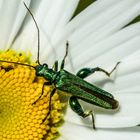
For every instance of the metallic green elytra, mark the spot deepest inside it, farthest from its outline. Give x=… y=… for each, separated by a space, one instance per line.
x=75 y=85
x=80 y=88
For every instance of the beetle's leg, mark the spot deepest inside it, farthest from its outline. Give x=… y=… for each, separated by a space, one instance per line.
x=46 y=83
x=55 y=66
x=85 y=72
x=52 y=93
x=63 y=61
x=77 y=108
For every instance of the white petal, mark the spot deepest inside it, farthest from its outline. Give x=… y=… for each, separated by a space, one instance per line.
x=75 y=132
x=27 y=40
x=62 y=11
x=12 y=14
x=117 y=47
x=107 y=22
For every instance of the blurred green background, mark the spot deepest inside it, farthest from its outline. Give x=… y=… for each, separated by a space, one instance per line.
x=82 y=5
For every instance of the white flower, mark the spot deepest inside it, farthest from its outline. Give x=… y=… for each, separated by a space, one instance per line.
x=97 y=37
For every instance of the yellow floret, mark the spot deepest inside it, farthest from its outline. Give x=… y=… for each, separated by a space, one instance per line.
x=21 y=113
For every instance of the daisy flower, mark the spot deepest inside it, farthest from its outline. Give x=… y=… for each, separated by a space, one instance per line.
x=98 y=36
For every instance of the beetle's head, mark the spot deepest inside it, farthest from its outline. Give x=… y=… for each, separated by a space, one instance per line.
x=44 y=71
x=40 y=69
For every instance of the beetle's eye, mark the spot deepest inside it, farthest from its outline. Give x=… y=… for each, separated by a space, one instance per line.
x=38 y=67
x=45 y=65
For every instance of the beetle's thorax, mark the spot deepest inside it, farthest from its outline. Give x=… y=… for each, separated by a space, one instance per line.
x=50 y=75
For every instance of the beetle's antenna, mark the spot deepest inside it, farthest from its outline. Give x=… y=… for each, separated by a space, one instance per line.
x=37 y=32
x=17 y=63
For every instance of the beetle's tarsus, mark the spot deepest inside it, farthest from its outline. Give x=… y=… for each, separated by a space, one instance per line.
x=88 y=114
x=114 y=68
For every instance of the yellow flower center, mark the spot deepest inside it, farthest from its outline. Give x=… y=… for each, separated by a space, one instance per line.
x=21 y=113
